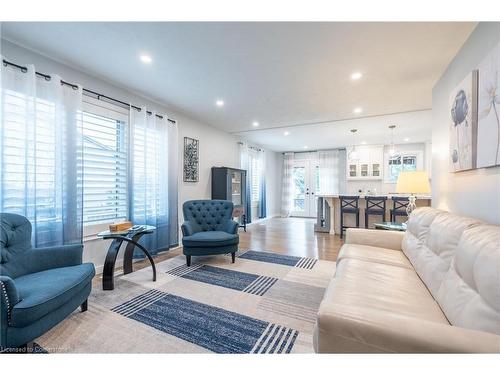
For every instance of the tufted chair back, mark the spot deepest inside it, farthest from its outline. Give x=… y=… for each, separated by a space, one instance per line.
x=15 y=240
x=207 y=215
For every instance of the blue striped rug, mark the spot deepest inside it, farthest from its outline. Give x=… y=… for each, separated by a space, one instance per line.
x=263 y=303
x=287 y=260
x=213 y=328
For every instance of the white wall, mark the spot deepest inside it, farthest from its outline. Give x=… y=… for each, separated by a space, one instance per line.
x=473 y=193
x=217 y=148
x=274 y=168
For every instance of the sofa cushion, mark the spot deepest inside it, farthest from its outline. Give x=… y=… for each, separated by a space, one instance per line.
x=42 y=292
x=470 y=291
x=384 y=288
x=430 y=242
x=210 y=239
x=374 y=254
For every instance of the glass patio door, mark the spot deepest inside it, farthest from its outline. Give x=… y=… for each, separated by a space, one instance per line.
x=305 y=185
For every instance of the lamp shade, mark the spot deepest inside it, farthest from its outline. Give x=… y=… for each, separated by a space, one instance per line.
x=413 y=182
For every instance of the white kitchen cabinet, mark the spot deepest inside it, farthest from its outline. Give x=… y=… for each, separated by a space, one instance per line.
x=369 y=163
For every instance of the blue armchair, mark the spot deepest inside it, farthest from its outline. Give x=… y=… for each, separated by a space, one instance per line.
x=39 y=286
x=209 y=229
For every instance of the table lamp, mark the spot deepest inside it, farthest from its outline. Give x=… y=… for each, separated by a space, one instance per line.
x=414 y=182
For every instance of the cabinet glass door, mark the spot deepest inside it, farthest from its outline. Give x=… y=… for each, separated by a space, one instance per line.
x=353 y=170
x=236 y=187
x=364 y=170
x=376 y=170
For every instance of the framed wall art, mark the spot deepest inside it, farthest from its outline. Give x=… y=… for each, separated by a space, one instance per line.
x=463 y=124
x=191 y=159
x=488 y=129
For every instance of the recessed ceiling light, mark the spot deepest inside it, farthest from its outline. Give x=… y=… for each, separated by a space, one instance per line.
x=407 y=139
x=286 y=133
x=255 y=124
x=363 y=143
x=356 y=75
x=146 y=59
x=306 y=147
x=219 y=103
x=358 y=110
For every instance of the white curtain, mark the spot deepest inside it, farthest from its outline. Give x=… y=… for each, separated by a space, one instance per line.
x=329 y=172
x=245 y=164
x=41 y=154
x=262 y=185
x=287 y=184
x=153 y=178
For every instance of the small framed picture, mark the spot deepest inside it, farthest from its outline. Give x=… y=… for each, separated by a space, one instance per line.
x=191 y=159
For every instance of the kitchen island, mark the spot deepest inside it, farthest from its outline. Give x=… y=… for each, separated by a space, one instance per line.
x=328 y=212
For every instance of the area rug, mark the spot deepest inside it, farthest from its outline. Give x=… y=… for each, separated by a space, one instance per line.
x=263 y=303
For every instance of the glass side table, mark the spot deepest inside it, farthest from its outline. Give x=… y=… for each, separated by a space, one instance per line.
x=132 y=237
x=387 y=225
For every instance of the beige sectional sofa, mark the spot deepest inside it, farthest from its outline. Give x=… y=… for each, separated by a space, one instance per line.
x=433 y=289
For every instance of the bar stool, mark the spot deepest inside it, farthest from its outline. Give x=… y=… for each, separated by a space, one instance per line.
x=399 y=207
x=349 y=204
x=375 y=206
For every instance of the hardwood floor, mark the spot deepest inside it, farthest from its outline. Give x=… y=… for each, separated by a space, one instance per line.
x=292 y=236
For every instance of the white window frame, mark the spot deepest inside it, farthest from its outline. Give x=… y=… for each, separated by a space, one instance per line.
x=420 y=163
x=105 y=109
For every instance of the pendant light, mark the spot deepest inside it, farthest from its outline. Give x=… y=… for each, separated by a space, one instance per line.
x=353 y=154
x=393 y=153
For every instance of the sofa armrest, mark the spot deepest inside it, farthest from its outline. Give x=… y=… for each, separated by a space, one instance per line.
x=388 y=239
x=231 y=226
x=339 y=330
x=187 y=229
x=44 y=258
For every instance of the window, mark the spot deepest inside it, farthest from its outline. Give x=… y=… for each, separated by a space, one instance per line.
x=255 y=177
x=402 y=163
x=105 y=164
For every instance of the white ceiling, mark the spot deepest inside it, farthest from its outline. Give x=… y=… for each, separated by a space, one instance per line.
x=279 y=74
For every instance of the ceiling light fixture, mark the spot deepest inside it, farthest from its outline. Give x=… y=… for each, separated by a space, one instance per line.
x=286 y=133
x=356 y=75
x=393 y=153
x=358 y=110
x=407 y=139
x=255 y=124
x=306 y=147
x=353 y=154
x=219 y=103
x=146 y=59
x=363 y=142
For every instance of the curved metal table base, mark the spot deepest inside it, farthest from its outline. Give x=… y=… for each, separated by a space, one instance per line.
x=109 y=264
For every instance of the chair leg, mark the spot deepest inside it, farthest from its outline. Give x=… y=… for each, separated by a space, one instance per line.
x=84 y=306
x=341 y=225
x=188 y=260
x=366 y=220
x=233 y=257
x=357 y=220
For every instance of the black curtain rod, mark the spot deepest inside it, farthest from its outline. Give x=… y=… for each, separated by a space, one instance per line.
x=86 y=91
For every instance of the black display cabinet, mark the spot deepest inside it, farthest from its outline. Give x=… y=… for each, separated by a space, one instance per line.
x=230 y=184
